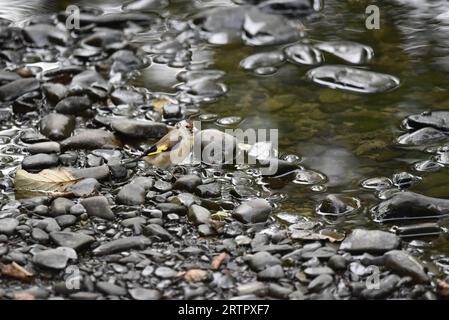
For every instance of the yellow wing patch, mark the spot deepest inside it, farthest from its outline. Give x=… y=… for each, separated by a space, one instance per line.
x=161 y=148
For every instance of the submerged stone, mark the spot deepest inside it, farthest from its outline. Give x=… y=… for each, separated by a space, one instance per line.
x=348 y=51
x=304 y=54
x=352 y=79
x=260 y=29
x=410 y=205
x=435 y=119
x=422 y=136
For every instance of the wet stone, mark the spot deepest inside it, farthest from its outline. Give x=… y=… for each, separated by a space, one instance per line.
x=44 y=147
x=198 y=215
x=410 y=205
x=402 y=262
x=386 y=286
x=66 y=220
x=165 y=272
x=337 y=262
x=253 y=211
x=290 y=8
x=45 y=34
x=127 y=97
x=110 y=288
x=54 y=258
x=157 y=231
x=84 y=187
x=204 y=230
x=91 y=139
x=262 y=260
x=74 y=240
x=40 y=161
x=260 y=29
x=73 y=105
x=262 y=59
x=348 y=51
x=97 y=173
x=57 y=126
x=8 y=225
x=336 y=205
x=374 y=241
x=433 y=119
x=54 y=91
x=139 y=128
x=15 y=89
x=39 y=235
x=352 y=79
x=145 y=294
x=319 y=283
x=187 y=183
x=131 y=194
x=271 y=273
x=123 y=244
x=167 y=208
x=422 y=136
x=316 y=271
x=303 y=54
x=98 y=207
x=60 y=206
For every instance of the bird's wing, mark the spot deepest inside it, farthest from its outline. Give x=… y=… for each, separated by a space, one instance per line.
x=165 y=144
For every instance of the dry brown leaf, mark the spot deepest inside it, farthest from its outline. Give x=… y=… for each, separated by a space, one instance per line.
x=443 y=287
x=218 y=260
x=23 y=296
x=195 y=275
x=16 y=271
x=48 y=180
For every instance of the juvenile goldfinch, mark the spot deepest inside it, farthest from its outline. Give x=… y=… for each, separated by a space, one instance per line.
x=172 y=148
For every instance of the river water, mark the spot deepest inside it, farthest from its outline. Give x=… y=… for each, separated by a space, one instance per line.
x=349 y=137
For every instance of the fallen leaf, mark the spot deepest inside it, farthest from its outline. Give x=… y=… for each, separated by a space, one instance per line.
x=442 y=287
x=23 y=296
x=195 y=275
x=46 y=181
x=218 y=260
x=16 y=271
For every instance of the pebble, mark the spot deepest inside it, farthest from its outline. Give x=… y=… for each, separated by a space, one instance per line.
x=54 y=258
x=145 y=294
x=74 y=240
x=123 y=244
x=60 y=206
x=66 y=220
x=319 y=283
x=39 y=235
x=57 y=126
x=198 y=215
x=131 y=194
x=8 y=225
x=157 y=231
x=262 y=260
x=253 y=211
x=83 y=188
x=73 y=105
x=271 y=273
x=373 y=241
x=44 y=147
x=110 y=288
x=98 y=207
x=405 y=264
x=40 y=161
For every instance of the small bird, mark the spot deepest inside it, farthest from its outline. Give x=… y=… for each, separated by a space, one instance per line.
x=173 y=148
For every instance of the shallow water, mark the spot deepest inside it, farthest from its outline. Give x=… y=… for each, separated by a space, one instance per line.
x=346 y=136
